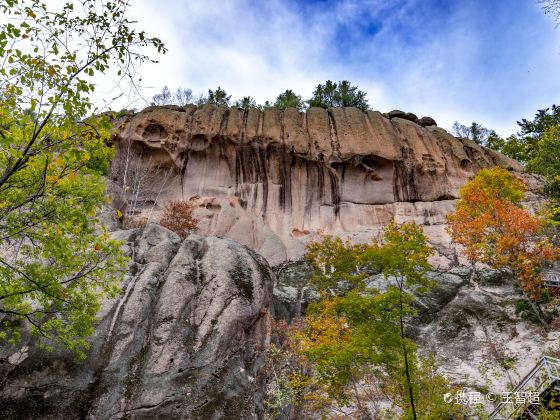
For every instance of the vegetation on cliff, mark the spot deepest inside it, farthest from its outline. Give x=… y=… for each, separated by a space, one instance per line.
x=537 y=145
x=328 y=95
x=56 y=261
x=351 y=353
x=496 y=230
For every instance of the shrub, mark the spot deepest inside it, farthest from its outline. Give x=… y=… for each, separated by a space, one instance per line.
x=132 y=222
x=177 y=216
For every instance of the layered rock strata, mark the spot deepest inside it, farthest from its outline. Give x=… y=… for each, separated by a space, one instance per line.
x=271 y=179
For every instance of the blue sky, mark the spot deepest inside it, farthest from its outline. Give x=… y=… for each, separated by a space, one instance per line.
x=490 y=61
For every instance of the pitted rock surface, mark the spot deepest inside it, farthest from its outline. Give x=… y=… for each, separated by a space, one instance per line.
x=271 y=179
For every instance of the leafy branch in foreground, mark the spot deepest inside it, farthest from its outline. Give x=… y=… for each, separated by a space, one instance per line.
x=56 y=261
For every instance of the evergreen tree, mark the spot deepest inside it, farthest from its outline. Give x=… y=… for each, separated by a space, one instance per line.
x=246 y=103
x=339 y=94
x=289 y=99
x=218 y=97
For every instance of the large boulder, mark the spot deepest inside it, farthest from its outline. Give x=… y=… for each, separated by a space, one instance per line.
x=426 y=122
x=184 y=340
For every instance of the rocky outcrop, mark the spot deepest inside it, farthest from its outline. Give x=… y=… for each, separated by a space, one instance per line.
x=479 y=332
x=477 y=325
x=184 y=340
x=271 y=179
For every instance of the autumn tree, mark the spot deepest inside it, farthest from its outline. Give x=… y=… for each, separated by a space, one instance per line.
x=496 y=230
x=57 y=263
x=177 y=216
x=355 y=338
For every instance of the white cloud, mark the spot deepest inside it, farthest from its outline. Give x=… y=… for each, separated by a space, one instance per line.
x=477 y=61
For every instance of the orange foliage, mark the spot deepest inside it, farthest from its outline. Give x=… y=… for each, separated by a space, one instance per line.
x=178 y=217
x=496 y=230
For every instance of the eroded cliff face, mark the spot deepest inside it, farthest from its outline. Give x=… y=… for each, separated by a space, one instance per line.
x=272 y=179
x=184 y=340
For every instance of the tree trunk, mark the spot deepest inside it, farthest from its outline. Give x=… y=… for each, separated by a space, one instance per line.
x=406 y=366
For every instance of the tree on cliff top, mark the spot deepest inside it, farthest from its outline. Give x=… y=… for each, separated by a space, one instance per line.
x=218 y=97
x=181 y=96
x=56 y=261
x=247 y=102
x=339 y=94
x=475 y=132
x=289 y=99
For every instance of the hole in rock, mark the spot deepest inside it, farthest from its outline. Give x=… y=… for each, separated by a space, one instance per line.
x=371 y=161
x=154 y=132
x=199 y=142
x=445 y=197
x=380 y=168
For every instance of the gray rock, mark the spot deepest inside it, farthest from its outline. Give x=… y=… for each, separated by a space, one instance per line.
x=491 y=277
x=157 y=244
x=126 y=235
x=447 y=285
x=396 y=113
x=292 y=292
x=461 y=271
x=108 y=218
x=116 y=196
x=426 y=122
x=184 y=341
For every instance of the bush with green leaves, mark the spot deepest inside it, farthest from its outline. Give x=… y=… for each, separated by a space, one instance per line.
x=354 y=343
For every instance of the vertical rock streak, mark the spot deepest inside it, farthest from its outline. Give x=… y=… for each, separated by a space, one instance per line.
x=302 y=172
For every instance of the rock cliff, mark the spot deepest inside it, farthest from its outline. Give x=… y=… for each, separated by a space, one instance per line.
x=185 y=337
x=271 y=179
x=184 y=340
